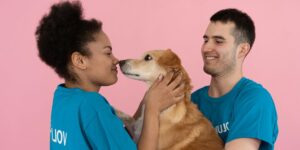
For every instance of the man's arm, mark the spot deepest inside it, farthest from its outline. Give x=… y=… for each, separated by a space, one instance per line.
x=243 y=144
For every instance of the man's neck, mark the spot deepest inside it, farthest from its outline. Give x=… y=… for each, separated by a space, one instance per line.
x=220 y=85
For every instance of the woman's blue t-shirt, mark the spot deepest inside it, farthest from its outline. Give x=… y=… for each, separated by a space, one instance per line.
x=85 y=120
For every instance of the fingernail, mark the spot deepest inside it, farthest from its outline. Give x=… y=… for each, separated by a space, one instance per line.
x=160 y=76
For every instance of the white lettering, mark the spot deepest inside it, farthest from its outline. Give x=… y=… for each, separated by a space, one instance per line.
x=59 y=136
x=222 y=128
x=65 y=136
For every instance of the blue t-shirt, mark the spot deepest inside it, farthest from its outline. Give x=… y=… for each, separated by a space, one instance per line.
x=84 y=120
x=247 y=111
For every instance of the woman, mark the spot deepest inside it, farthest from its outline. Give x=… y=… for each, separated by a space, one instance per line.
x=81 y=53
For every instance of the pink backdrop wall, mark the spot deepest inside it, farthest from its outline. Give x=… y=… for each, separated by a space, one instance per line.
x=133 y=27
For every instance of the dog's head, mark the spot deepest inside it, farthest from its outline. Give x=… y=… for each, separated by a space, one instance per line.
x=153 y=63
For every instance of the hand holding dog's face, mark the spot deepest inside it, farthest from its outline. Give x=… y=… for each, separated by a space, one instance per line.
x=163 y=93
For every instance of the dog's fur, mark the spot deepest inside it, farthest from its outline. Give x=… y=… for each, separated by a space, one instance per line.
x=182 y=126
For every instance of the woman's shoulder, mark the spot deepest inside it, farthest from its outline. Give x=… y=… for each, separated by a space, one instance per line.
x=94 y=101
x=94 y=106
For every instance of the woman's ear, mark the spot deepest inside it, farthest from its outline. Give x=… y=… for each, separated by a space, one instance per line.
x=78 y=60
x=244 y=49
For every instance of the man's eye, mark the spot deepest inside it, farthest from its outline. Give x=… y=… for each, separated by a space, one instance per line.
x=147 y=57
x=219 y=42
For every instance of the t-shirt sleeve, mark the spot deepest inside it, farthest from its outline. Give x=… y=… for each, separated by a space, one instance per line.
x=105 y=131
x=254 y=116
x=196 y=95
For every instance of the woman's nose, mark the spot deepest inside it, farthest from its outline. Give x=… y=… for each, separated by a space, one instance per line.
x=115 y=60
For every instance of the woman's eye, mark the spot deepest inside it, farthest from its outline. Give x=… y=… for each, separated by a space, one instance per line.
x=147 y=58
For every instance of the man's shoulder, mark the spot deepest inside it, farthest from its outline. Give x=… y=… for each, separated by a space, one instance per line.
x=251 y=84
x=250 y=88
x=201 y=90
x=253 y=94
x=199 y=93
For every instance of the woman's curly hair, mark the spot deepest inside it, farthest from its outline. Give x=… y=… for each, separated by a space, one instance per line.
x=62 y=32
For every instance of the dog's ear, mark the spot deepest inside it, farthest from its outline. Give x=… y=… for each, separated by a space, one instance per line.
x=169 y=59
x=171 y=62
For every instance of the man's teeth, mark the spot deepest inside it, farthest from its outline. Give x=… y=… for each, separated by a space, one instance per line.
x=210 y=57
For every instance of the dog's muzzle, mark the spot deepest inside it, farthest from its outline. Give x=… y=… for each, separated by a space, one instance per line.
x=125 y=67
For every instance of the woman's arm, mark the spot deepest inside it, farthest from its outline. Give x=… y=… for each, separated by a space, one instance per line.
x=161 y=95
x=149 y=136
x=138 y=112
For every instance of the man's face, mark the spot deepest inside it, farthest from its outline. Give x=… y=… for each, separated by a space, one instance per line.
x=219 y=49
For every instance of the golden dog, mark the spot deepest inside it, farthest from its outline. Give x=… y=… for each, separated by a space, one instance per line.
x=182 y=126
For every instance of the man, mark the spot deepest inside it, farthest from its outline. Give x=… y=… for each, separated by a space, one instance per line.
x=241 y=110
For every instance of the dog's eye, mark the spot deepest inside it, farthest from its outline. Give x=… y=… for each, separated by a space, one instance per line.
x=147 y=57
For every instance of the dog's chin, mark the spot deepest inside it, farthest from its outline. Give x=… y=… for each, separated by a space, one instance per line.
x=133 y=76
x=138 y=77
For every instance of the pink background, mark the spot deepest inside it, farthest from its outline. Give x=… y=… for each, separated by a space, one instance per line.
x=135 y=26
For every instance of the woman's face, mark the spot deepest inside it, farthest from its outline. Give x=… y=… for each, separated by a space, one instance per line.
x=101 y=63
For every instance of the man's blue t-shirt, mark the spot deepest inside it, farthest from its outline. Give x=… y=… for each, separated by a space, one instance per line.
x=247 y=111
x=84 y=120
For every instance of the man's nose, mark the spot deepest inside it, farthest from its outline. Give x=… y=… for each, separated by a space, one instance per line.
x=207 y=47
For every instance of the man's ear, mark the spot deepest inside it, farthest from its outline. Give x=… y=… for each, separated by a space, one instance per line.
x=78 y=60
x=244 y=49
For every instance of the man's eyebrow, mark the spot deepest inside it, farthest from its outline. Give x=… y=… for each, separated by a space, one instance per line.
x=218 y=37
x=214 y=37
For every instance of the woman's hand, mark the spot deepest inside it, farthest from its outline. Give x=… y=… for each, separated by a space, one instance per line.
x=163 y=93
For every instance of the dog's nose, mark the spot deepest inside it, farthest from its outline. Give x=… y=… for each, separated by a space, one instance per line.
x=122 y=62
